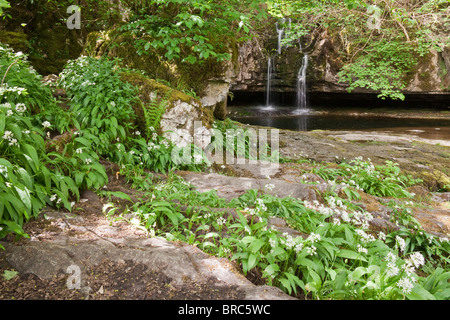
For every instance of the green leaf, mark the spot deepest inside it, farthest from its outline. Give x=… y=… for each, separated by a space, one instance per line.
x=272 y=269
x=256 y=245
x=120 y=195
x=301 y=261
x=349 y=254
x=419 y=293
x=253 y=260
x=9 y=274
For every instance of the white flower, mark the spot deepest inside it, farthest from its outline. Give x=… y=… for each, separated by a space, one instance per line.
x=405 y=284
x=88 y=161
x=270 y=186
x=221 y=221
x=311 y=250
x=7 y=135
x=53 y=197
x=392 y=269
x=401 y=243
x=314 y=237
x=79 y=151
x=417 y=259
x=408 y=267
x=13 y=142
x=361 y=249
x=46 y=124
x=298 y=247
x=272 y=243
x=21 y=108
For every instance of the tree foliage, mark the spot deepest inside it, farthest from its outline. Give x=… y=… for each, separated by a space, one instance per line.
x=376 y=37
x=191 y=31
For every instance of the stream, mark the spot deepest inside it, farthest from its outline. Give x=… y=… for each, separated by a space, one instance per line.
x=430 y=124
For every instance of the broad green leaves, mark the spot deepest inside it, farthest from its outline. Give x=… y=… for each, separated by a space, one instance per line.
x=193 y=32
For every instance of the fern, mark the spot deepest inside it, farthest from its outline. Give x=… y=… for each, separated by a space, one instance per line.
x=154 y=111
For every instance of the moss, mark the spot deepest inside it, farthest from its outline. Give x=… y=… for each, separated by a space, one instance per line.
x=436 y=180
x=149 y=90
x=16 y=40
x=52 y=48
x=90 y=48
x=180 y=75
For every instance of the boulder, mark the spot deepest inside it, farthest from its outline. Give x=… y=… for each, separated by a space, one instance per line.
x=165 y=108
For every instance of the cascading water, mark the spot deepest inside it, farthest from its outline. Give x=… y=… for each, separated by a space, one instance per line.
x=269 y=82
x=301 y=85
x=280 y=32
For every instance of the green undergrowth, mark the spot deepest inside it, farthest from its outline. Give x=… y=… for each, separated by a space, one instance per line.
x=98 y=125
x=332 y=254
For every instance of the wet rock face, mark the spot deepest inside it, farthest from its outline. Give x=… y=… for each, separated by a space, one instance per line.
x=430 y=76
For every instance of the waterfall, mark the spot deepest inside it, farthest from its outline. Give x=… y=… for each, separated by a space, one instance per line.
x=301 y=85
x=269 y=82
x=280 y=32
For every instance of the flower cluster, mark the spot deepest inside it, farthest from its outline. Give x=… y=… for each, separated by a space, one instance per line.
x=9 y=136
x=259 y=209
x=291 y=243
x=6 y=88
x=406 y=282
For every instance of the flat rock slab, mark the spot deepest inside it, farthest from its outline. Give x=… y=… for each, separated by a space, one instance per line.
x=181 y=263
x=233 y=187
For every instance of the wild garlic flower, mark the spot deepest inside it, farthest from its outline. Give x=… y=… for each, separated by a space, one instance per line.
x=365 y=237
x=361 y=249
x=272 y=242
x=311 y=250
x=417 y=259
x=46 y=124
x=392 y=269
x=8 y=135
x=400 y=242
x=21 y=108
x=406 y=285
x=221 y=221
x=314 y=237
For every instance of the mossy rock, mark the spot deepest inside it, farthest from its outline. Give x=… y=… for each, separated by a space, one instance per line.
x=436 y=180
x=16 y=40
x=156 y=99
x=183 y=76
x=53 y=48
